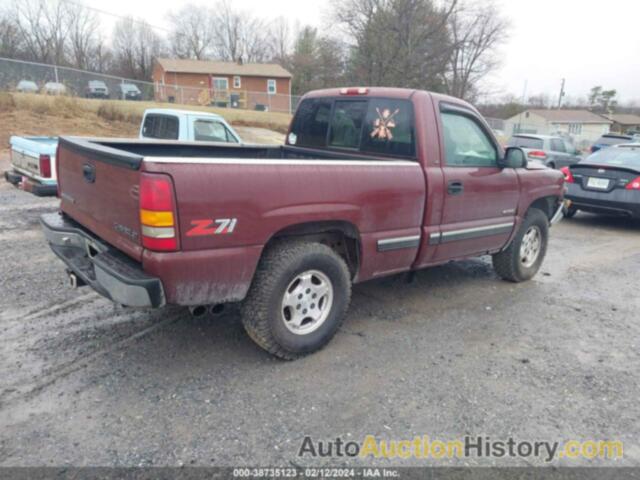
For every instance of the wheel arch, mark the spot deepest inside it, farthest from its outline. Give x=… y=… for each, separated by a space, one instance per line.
x=548 y=205
x=341 y=236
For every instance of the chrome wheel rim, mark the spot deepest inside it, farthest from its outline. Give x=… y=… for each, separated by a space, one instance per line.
x=530 y=246
x=307 y=302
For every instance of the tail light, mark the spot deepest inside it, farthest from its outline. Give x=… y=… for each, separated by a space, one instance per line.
x=633 y=184
x=45 y=166
x=537 y=155
x=568 y=176
x=354 y=91
x=158 y=213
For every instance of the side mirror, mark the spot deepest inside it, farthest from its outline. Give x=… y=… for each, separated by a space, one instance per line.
x=514 y=157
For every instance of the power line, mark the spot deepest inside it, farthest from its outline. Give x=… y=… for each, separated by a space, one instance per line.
x=121 y=17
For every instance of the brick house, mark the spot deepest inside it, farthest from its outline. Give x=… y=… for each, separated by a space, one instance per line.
x=259 y=86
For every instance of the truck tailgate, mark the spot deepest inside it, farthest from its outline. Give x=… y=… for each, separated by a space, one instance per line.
x=99 y=189
x=26 y=152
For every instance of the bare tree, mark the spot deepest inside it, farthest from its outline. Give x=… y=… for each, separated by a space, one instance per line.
x=193 y=32
x=83 y=37
x=476 y=33
x=255 y=40
x=240 y=35
x=101 y=56
x=43 y=29
x=229 y=32
x=11 y=44
x=280 y=40
x=541 y=100
x=135 y=46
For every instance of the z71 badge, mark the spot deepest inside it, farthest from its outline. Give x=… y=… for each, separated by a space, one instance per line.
x=219 y=226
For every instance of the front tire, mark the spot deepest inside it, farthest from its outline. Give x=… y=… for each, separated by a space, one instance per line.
x=522 y=259
x=298 y=299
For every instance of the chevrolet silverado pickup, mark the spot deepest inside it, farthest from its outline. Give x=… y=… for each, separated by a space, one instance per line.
x=370 y=182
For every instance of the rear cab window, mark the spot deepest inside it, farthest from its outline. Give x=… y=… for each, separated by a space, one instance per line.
x=166 y=127
x=526 y=142
x=378 y=126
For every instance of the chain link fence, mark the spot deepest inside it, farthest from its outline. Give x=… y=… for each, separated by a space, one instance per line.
x=31 y=77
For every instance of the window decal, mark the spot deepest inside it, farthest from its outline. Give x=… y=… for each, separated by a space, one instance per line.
x=384 y=124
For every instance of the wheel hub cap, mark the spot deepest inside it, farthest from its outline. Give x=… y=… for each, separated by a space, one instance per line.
x=307 y=302
x=530 y=246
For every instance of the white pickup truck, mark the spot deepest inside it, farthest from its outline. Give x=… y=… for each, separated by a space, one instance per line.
x=33 y=159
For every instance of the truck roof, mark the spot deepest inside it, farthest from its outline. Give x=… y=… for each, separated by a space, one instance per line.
x=389 y=92
x=175 y=111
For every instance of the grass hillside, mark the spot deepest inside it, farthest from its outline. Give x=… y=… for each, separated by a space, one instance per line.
x=33 y=114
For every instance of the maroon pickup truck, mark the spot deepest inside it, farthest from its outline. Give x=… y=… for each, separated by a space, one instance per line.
x=371 y=182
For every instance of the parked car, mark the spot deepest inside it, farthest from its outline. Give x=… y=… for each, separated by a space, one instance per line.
x=129 y=91
x=371 y=182
x=27 y=86
x=609 y=140
x=54 y=88
x=606 y=182
x=96 y=89
x=186 y=125
x=33 y=159
x=33 y=162
x=553 y=151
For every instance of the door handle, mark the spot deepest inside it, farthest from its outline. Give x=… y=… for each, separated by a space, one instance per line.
x=455 y=187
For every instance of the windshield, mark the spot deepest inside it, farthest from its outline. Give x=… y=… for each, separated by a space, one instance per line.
x=128 y=87
x=619 y=156
x=612 y=140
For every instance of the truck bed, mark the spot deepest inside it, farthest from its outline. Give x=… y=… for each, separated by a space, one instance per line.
x=264 y=190
x=131 y=153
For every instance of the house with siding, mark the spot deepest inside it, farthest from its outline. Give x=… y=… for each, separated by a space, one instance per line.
x=583 y=126
x=624 y=122
x=255 y=86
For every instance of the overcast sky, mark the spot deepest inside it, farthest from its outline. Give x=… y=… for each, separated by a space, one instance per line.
x=588 y=42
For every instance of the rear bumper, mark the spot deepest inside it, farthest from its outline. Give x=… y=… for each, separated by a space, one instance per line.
x=106 y=270
x=29 y=185
x=616 y=202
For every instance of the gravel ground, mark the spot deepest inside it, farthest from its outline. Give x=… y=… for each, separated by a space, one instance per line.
x=457 y=352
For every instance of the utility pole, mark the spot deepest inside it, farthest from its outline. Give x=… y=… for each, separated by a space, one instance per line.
x=524 y=98
x=561 y=94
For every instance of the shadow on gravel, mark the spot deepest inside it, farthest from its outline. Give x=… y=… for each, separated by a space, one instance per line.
x=603 y=221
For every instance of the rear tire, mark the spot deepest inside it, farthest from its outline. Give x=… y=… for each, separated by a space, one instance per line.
x=298 y=299
x=521 y=260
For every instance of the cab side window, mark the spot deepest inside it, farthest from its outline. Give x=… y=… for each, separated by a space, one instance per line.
x=465 y=143
x=311 y=123
x=210 y=131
